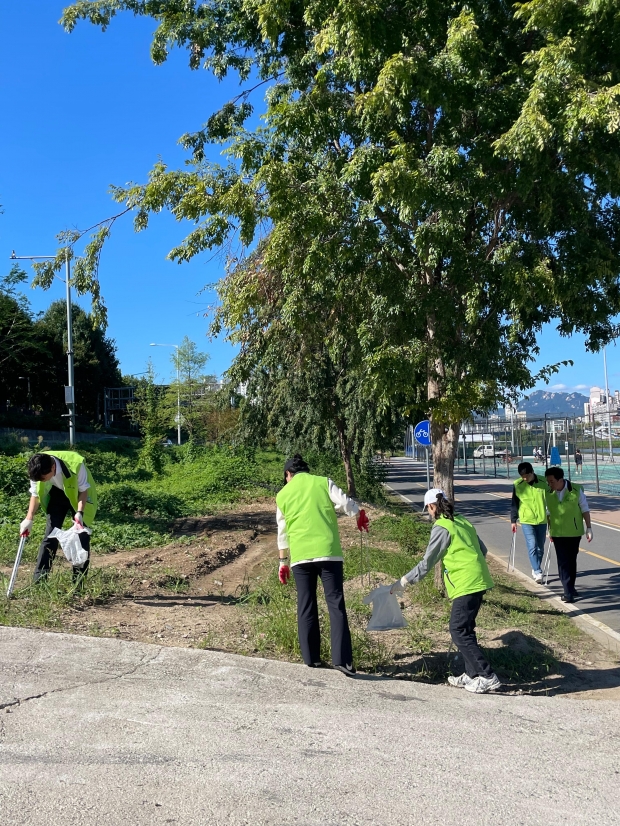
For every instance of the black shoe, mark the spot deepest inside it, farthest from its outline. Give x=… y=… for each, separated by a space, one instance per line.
x=316 y=665
x=349 y=670
x=567 y=598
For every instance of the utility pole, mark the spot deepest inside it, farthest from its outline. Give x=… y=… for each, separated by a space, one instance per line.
x=611 y=450
x=70 y=388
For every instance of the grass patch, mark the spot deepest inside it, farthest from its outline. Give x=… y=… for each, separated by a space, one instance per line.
x=43 y=604
x=524 y=638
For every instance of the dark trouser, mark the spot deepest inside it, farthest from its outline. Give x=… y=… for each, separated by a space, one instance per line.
x=566 y=550
x=306 y=577
x=57 y=509
x=463 y=632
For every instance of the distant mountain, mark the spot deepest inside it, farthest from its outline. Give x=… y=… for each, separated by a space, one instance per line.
x=553 y=404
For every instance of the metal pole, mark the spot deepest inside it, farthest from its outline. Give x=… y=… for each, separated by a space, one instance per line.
x=598 y=487
x=71 y=403
x=545 y=441
x=428 y=471
x=611 y=450
x=567 y=446
x=178 y=398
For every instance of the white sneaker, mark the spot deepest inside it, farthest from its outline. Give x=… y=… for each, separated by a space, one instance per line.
x=538 y=577
x=461 y=681
x=481 y=685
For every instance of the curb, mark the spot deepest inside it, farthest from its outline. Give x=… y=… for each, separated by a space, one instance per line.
x=602 y=633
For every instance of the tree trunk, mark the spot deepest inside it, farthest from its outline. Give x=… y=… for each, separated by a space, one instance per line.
x=444 y=441
x=445 y=444
x=345 y=452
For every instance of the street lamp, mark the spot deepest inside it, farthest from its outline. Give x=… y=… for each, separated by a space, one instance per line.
x=70 y=388
x=611 y=450
x=178 y=389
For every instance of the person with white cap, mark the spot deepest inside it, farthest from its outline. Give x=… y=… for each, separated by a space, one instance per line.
x=455 y=543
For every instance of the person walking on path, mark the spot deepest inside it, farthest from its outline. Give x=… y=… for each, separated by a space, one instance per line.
x=455 y=543
x=308 y=528
x=60 y=484
x=528 y=506
x=578 y=462
x=567 y=509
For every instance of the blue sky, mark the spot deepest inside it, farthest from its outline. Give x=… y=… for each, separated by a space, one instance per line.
x=87 y=110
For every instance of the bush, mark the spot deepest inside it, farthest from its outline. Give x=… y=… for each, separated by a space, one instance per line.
x=128 y=500
x=13 y=475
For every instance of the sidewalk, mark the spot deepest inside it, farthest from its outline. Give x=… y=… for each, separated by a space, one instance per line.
x=106 y=732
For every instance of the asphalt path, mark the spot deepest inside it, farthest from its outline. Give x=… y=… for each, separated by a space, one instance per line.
x=104 y=732
x=486 y=503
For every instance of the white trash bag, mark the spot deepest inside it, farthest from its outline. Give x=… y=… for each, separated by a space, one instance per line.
x=386 y=613
x=71 y=545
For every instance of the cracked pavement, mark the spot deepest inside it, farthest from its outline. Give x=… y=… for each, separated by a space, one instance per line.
x=111 y=732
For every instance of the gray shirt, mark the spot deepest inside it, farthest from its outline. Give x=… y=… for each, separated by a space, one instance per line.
x=436 y=549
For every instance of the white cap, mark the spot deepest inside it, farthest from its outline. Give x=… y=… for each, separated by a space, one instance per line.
x=430 y=497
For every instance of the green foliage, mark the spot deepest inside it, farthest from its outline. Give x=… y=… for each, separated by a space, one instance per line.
x=439 y=180
x=13 y=475
x=136 y=507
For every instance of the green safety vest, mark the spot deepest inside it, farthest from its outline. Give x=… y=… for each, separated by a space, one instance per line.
x=465 y=568
x=72 y=461
x=311 y=524
x=531 y=498
x=565 y=517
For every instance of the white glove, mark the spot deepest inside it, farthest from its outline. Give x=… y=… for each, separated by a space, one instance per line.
x=25 y=527
x=589 y=534
x=399 y=586
x=79 y=518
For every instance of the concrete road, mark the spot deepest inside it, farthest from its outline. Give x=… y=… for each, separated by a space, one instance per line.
x=486 y=503
x=104 y=732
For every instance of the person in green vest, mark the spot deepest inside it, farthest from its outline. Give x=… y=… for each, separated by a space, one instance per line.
x=455 y=543
x=308 y=530
x=60 y=483
x=567 y=509
x=528 y=506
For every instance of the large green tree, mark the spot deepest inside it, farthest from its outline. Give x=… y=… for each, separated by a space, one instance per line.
x=20 y=350
x=455 y=163
x=95 y=362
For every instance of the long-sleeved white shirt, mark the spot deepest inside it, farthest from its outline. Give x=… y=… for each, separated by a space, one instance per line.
x=342 y=503
x=583 y=502
x=58 y=479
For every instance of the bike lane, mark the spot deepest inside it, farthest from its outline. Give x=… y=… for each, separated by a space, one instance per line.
x=485 y=501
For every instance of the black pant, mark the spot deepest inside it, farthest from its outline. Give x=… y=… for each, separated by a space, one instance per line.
x=463 y=632
x=306 y=578
x=57 y=509
x=566 y=550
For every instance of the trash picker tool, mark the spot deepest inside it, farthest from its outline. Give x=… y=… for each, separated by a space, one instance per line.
x=547 y=561
x=22 y=544
x=511 y=554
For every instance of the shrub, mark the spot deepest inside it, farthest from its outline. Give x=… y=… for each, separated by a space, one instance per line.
x=13 y=475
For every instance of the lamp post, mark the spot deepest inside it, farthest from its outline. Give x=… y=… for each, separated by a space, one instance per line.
x=611 y=451
x=70 y=388
x=178 y=389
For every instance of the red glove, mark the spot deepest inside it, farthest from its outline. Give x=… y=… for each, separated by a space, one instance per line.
x=284 y=573
x=362 y=521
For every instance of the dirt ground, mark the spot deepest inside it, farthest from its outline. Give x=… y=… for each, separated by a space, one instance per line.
x=186 y=594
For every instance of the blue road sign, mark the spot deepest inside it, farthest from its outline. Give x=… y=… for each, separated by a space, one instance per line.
x=422 y=433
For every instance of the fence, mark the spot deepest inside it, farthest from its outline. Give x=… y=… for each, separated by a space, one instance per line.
x=494 y=447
